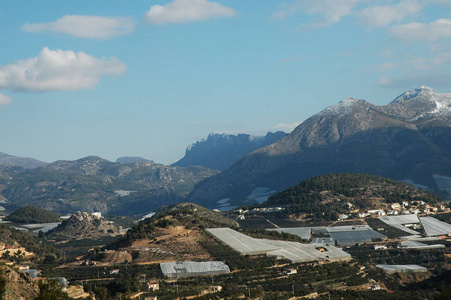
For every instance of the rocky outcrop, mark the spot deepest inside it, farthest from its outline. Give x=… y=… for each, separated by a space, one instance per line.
x=83 y=225
x=220 y=151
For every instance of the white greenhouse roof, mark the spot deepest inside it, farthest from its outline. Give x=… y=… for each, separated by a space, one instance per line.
x=403 y=219
x=240 y=242
x=433 y=227
x=303 y=232
x=401 y=268
x=294 y=251
x=190 y=268
x=323 y=240
x=356 y=237
x=418 y=245
x=399 y=221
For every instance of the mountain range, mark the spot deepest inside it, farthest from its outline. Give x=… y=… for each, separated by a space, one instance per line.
x=220 y=151
x=408 y=139
x=23 y=162
x=96 y=184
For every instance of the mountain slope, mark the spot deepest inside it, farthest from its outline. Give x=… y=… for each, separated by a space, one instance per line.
x=318 y=196
x=24 y=162
x=407 y=139
x=95 y=184
x=220 y=151
x=131 y=160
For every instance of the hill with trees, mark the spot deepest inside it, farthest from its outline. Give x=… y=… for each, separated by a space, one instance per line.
x=33 y=214
x=326 y=196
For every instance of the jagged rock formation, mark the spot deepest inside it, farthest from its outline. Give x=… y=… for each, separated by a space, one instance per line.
x=83 y=225
x=220 y=151
x=409 y=138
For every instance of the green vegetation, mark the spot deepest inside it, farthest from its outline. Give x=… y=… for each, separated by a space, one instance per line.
x=366 y=255
x=190 y=215
x=45 y=253
x=324 y=197
x=3 y=284
x=51 y=290
x=33 y=214
x=91 y=183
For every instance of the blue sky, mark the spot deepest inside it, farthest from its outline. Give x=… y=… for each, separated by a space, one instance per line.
x=147 y=78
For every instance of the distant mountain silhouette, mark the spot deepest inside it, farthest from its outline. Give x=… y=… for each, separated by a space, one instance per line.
x=220 y=151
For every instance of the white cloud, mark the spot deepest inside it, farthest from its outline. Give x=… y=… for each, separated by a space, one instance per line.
x=416 y=70
x=58 y=70
x=410 y=32
x=284 y=127
x=91 y=27
x=327 y=11
x=4 y=99
x=184 y=11
x=384 y=15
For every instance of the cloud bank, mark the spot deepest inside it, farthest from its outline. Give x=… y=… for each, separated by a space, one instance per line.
x=185 y=11
x=327 y=11
x=384 y=15
x=440 y=29
x=57 y=70
x=91 y=27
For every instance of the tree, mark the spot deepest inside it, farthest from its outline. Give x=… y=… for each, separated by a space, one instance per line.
x=101 y=293
x=2 y=285
x=51 y=290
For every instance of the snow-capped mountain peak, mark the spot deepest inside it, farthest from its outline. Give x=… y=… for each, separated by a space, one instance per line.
x=344 y=107
x=411 y=94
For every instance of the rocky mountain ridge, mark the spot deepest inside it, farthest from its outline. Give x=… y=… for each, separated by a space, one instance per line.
x=406 y=139
x=220 y=151
x=96 y=184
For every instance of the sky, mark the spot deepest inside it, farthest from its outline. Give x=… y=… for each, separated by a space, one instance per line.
x=148 y=78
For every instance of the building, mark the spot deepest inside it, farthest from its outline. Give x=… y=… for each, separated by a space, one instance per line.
x=153 y=286
x=395 y=206
x=380 y=247
x=291 y=272
x=190 y=268
x=391 y=269
x=97 y=215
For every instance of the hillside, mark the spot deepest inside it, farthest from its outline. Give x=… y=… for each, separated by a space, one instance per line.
x=174 y=233
x=407 y=139
x=11 y=239
x=23 y=162
x=220 y=151
x=188 y=215
x=95 y=184
x=33 y=214
x=15 y=286
x=326 y=196
x=83 y=226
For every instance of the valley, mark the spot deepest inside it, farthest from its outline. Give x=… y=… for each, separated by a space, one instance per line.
x=351 y=204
